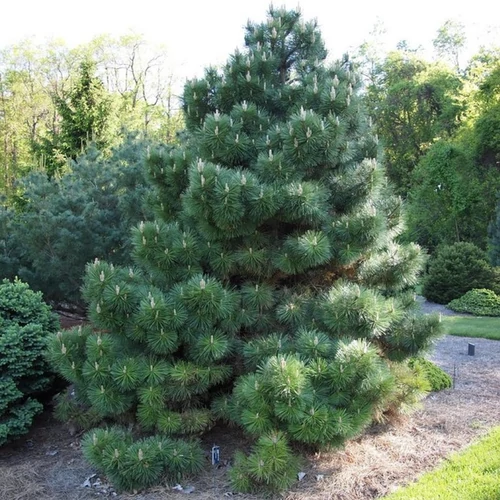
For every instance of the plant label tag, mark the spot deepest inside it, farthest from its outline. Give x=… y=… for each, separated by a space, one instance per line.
x=215 y=455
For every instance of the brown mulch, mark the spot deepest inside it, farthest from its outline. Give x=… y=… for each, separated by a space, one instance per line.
x=68 y=320
x=378 y=462
x=47 y=463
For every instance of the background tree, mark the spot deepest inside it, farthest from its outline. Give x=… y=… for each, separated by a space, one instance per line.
x=453 y=188
x=26 y=107
x=487 y=124
x=449 y=42
x=141 y=75
x=494 y=237
x=69 y=220
x=414 y=103
x=86 y=115
x=271 y=290
x=451 y=195
x=39 y=82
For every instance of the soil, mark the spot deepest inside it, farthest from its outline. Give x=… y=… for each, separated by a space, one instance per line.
x=47 y=463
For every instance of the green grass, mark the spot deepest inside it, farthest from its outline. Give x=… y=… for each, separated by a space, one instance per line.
x=473 y=474
x=472 y=326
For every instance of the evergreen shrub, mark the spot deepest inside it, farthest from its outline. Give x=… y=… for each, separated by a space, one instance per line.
x=135 y=464
x=69 y=220
x=479 y=302
x=456 y=269
x=25 y=323
x=437 y=377
x=272 y=290
x=411 y=386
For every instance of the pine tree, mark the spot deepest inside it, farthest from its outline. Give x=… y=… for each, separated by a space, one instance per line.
x=271 y=291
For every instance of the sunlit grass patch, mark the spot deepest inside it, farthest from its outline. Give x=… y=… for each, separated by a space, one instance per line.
x=473 y=474
x=472 y=326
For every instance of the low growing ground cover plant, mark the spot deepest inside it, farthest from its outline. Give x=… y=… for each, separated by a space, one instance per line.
x=25 y=323
x=437 y=378
x=479 y=302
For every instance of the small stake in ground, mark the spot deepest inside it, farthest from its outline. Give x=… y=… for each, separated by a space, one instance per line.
x=215 y=460
x=215 y=454
x=472 y=350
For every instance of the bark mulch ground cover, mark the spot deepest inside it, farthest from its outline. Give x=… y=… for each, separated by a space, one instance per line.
x=47 y=463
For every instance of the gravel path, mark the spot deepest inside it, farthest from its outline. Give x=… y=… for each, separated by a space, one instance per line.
x=431 y=307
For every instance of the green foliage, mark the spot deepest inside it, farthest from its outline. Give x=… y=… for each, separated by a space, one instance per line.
x=480 y=302
x=449 y=41
x=20 y=305
x=410 y=387
x=136 y=464
x=68 y=221
x=438 y=378
x=24 y=107
x=86 y=112
x=54 y=102
x=9 y=250
x=494 y=236
x=271 y=289
x=456 y=269
x=285 y=392
x=25 y=323
x=451 y=198
x=487 y=128
x=487 y=125
x=471 y=474
x=413 y=103
x=270 y=467
x=74 y=413
x=439 y=129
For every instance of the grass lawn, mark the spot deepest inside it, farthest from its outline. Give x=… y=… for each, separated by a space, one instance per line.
x=473 y=474
x=472 y=326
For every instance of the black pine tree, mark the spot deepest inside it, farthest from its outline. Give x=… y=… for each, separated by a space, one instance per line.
x=271 y=291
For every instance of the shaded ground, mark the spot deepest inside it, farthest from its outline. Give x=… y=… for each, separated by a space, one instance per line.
x=47 y=464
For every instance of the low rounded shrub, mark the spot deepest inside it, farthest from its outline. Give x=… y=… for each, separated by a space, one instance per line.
x=437 y=378
x=25 y=322
x=456 y=269
x=479 y=302
x=136 y=464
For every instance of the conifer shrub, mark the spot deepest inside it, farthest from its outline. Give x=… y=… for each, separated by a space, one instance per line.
x=68 y=220
x=271 y=291
x=25 y=323
x=271 y=463
x=456 y=269
x=437 y=377
x=479 y=302
x=410 y=388
x=133 y=464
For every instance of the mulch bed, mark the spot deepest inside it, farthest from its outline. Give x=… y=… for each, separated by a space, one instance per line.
x=47 y=463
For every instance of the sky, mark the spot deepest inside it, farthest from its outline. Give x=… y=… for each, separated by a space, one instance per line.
x=199 y=33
